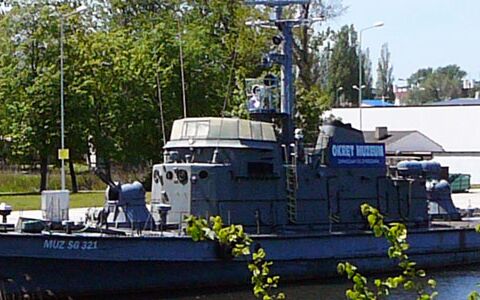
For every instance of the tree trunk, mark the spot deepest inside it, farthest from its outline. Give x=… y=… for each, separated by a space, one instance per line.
x=73 y=176
x=43 y=173
x=108 y=169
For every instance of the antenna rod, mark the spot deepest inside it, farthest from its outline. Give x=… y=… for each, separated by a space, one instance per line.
x=184 y=98
x=160 y=103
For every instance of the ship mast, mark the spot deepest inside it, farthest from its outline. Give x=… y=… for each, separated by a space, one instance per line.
x=285 y=59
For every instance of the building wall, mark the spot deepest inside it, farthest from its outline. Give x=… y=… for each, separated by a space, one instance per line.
x=461 y=164
x=455 y=128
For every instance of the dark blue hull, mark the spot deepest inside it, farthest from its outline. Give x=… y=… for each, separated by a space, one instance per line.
x=126 y=264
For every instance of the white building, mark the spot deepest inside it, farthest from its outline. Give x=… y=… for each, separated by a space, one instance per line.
x=455 y=127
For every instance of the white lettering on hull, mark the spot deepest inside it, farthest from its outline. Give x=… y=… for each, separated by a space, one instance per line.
x=69 y=245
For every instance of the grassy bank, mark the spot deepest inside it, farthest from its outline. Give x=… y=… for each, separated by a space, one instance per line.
x=31 y=202
x=22 y=182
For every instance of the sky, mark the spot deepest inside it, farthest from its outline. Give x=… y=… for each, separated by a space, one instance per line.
x=419 y=33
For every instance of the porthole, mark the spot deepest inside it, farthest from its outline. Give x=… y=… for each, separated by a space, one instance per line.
x=182 y=176
x=169 y=175
x=203 y=174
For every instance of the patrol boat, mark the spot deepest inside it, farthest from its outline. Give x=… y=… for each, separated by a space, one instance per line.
x=301 y=205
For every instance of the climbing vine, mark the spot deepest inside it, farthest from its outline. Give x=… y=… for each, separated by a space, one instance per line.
x=411 y=278
x=235 y=243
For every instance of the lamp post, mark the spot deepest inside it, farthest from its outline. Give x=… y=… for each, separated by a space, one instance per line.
x=62 y=152
x=360 y=71
x=359 y=89
x=355 y=87
x=336 y=95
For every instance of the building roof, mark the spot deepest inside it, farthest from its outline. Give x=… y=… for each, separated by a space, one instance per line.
x=457 y=101
x=404 y=141
x=375 y=102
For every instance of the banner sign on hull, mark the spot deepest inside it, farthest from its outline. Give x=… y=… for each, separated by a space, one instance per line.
x=357 y=155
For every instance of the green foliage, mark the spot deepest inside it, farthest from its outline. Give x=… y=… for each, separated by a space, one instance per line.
x=430 y=85
x=111 y=72
x=311 y=107
x=119 y=55
x=367 y=74
x=198 y=229
x=343 y=66
x=474 y=296
x=234 y=239
x=385 y=75
x=22 y=182
x=411 y=278
x=29 y=80
x=263 y=285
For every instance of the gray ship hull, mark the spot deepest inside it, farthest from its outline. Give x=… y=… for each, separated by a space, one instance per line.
x=74 y=265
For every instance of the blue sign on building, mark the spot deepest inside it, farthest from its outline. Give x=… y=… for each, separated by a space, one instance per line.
x=357 y=155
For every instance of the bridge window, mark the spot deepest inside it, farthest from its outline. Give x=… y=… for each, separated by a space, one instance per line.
x=196 y=129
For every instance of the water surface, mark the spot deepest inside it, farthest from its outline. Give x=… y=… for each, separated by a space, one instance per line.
x=452 y=284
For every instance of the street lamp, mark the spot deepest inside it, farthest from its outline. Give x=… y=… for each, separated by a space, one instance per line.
x=355 y=87
x=63 y=153
x=378 y=24
x=336 y=95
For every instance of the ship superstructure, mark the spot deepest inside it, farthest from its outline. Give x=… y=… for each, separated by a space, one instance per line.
x=239 y=170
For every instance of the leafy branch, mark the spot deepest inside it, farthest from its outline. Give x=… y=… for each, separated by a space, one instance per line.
x=411 y=278
x=263 y=285
x=475 y=295
x=235 y=243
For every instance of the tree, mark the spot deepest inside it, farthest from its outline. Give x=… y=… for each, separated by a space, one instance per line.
x=311 y=55
x=30 y=88
x=29 y=82
x=308 y=45
x=114 y=74
x=384 y=75
x=430 y=85
x=343 y=67
x=367 y=74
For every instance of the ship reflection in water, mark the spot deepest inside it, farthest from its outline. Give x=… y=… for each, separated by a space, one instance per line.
x=456 y=283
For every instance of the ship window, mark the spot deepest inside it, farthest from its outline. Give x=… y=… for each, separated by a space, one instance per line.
x=202 y=129
x=190 y=129
x=259 y=169
x=197 y=129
